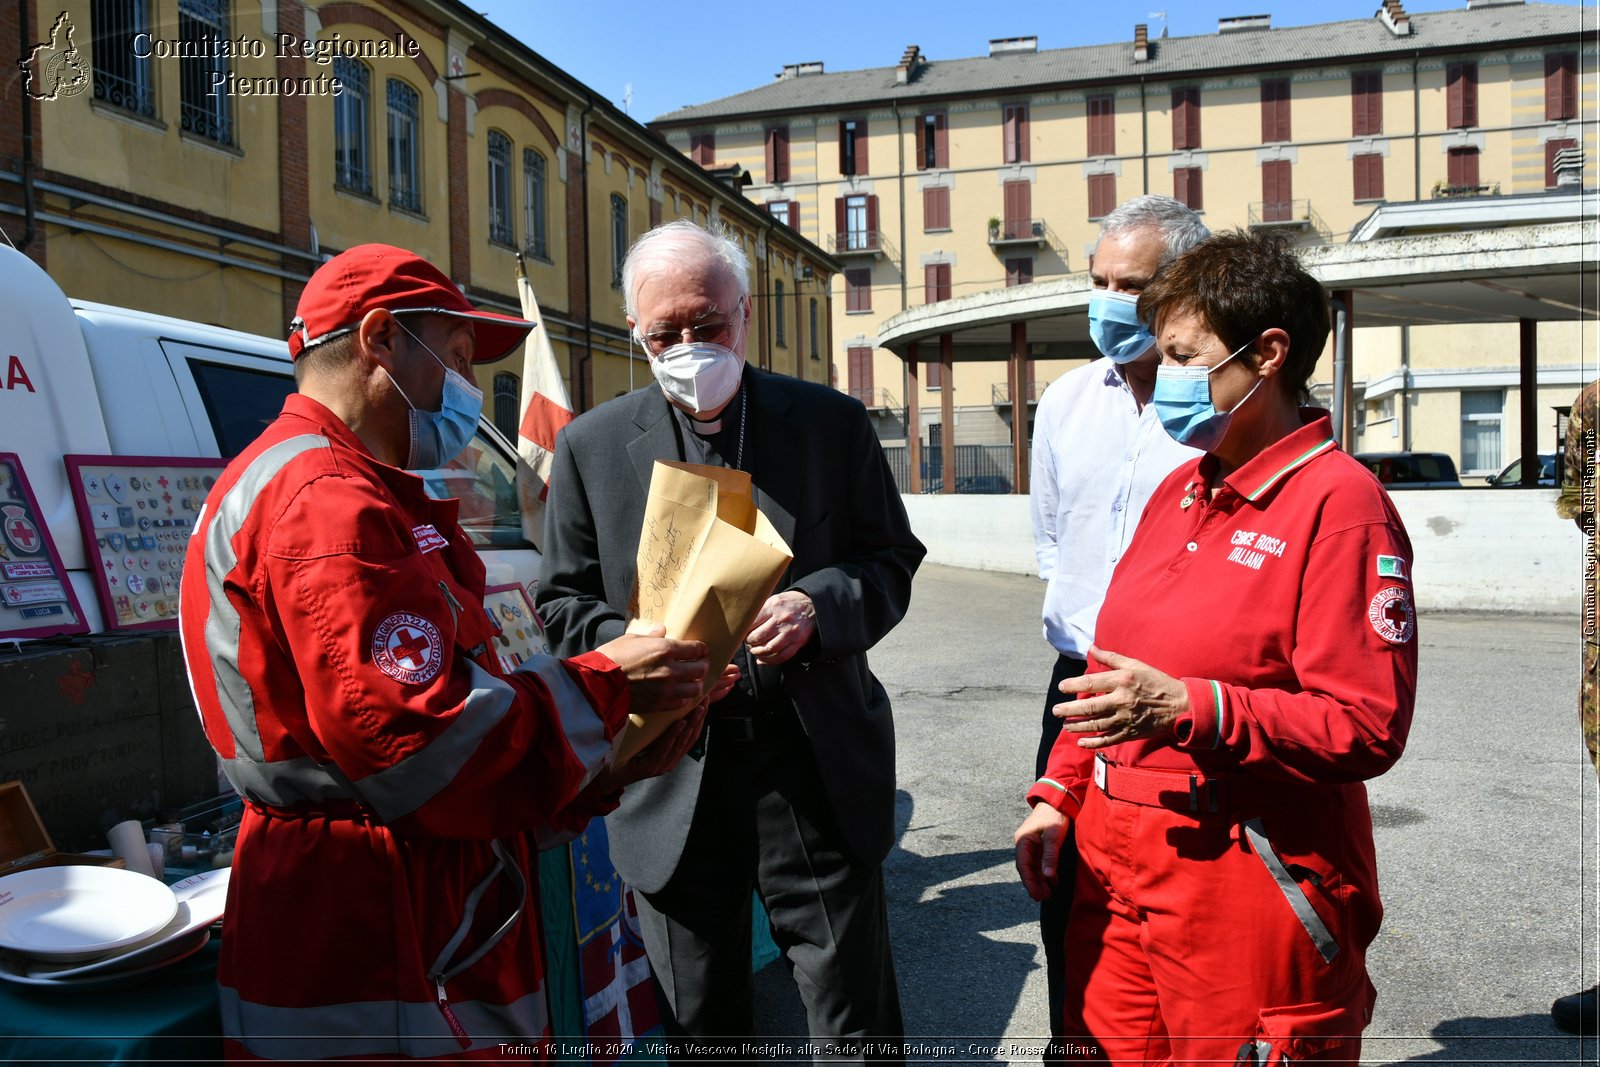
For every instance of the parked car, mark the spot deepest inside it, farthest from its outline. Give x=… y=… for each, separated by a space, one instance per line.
x=1412 y=470
x=1511 y=476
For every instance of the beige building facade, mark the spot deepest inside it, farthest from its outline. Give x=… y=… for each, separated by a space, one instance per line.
x=199 y=158
x=939 y=178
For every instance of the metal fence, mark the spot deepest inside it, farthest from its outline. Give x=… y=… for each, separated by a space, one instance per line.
x=979 y=468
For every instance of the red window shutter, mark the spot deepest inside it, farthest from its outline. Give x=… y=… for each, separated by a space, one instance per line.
x=1366 y=101
x=794 y=215
x=1275 y=111
x=935 y=375
x=941 y=144
x=772 y=155
x=930 y=286
x=922 y=142
x=1560 y=88
x=1102 y=195
x=1550 y=150
x=1186 y=187
x=778 y=154
x=860 y=363
x=840 y=226
x=1461 y=95
x=703 y=148
x=936 y=209
x=872 y=222
x=843 y=162
x=861 y=148
x=1018 y=200
x=858 y=290
x=1186 y=118
x=1022 y=134
x=1008 y=134
x=1102 y=126
x=1277 y=194
x=1368 y=175
x=1463 y=164
x=1019 y=271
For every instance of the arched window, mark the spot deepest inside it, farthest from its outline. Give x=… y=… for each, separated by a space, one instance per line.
x=405 y=152
x=619 y=238
x=352 y=126
x=500 y=188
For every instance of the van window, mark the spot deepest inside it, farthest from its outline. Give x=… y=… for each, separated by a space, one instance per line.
x=239 y=402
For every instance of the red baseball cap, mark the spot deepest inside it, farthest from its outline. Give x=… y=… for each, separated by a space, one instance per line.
x=368 y=277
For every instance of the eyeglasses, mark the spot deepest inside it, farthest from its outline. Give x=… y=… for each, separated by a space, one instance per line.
x=714 y=333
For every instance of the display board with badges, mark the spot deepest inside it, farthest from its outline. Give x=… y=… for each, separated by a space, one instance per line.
x=521 y=630
x=36 y=598
x=136 y=513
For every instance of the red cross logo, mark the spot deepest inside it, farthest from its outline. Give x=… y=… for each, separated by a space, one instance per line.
x=1392 y=616
x=406 y=648
x=21 y=533
x=163 y=482
x=410 y=647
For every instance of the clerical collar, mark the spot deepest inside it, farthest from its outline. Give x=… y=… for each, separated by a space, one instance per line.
x=707 y=427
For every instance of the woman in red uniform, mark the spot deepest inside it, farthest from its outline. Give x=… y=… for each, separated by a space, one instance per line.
x=1254 y=662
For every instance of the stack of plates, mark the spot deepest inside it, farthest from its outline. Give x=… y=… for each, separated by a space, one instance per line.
x=84 y=927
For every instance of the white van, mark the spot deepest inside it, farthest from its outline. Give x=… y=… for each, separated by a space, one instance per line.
x=84 y=378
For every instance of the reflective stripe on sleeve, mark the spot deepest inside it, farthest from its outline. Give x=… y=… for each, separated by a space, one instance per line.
x=397 y=791
x=584 y=729
x=376 y=1027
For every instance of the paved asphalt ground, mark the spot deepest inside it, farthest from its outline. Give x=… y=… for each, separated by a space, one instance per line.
x=1486 y=834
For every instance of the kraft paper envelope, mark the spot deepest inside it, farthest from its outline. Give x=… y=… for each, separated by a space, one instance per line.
x=708 y=559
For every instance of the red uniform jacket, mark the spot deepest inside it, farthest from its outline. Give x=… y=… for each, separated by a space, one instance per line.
x=382 y=898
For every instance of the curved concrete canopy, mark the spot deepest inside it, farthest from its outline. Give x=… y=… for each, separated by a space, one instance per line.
x=1492 y=275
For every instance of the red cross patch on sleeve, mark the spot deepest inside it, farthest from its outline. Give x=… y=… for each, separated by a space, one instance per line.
x=1392 y=615
x=407 y=648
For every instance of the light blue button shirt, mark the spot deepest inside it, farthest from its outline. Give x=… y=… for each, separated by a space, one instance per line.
x=1096 y=460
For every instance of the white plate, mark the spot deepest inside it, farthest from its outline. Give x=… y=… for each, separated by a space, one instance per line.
x=77 y=913
x=13 y=968
x=200 y=903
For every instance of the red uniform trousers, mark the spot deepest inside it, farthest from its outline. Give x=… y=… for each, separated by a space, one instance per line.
x=1181 y=925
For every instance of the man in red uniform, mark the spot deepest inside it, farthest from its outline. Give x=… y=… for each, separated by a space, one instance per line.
x=332 y=619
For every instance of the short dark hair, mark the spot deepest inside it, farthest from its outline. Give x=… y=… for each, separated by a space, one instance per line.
x=1243 y=283
x=328 y=356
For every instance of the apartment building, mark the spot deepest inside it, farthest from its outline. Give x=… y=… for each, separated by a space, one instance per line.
x=200 y=158
x=938 y=178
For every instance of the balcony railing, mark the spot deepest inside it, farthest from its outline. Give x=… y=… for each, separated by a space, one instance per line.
x=878 y=399
x=857 y=243
x=1013 y=232
x=1000 y=393
x=1287 y=214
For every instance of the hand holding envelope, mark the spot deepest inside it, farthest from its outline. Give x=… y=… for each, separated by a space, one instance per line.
x=707 y=561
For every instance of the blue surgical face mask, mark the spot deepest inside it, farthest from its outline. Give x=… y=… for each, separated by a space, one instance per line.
x=1115 y=328
x=437 y=437
x=1182 y=399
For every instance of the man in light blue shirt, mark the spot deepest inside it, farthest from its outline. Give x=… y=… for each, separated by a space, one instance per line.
x=1098 y=454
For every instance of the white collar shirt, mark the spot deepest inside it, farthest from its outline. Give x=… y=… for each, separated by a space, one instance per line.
x=1096 y=459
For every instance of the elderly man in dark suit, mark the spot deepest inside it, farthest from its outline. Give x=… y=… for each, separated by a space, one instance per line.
x=792 y=793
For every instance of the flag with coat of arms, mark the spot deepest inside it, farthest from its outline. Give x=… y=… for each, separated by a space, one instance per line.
x=545 y=409
x=619 y=998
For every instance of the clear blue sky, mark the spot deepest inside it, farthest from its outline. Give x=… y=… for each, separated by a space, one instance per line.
x=674 y=54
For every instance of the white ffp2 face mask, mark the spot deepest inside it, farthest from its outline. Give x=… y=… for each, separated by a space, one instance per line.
x=700 y=376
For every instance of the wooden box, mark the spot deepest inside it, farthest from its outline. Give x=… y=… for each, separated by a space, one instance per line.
x=25 y=843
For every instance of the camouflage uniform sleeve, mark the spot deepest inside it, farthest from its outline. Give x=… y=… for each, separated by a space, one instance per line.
x=1576 y=499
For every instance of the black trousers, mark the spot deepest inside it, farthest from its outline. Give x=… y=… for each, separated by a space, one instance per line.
x=1053 y=912
x=763 y=823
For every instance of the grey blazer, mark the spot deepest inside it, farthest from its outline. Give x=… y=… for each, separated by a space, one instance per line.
x=822 y=480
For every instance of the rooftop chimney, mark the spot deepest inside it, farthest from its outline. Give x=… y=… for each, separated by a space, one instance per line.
x=910 y=63
x=1394 y=16
x=1004 y=46
x=799 y=70
x=1238 y=23
x=1141 y=43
